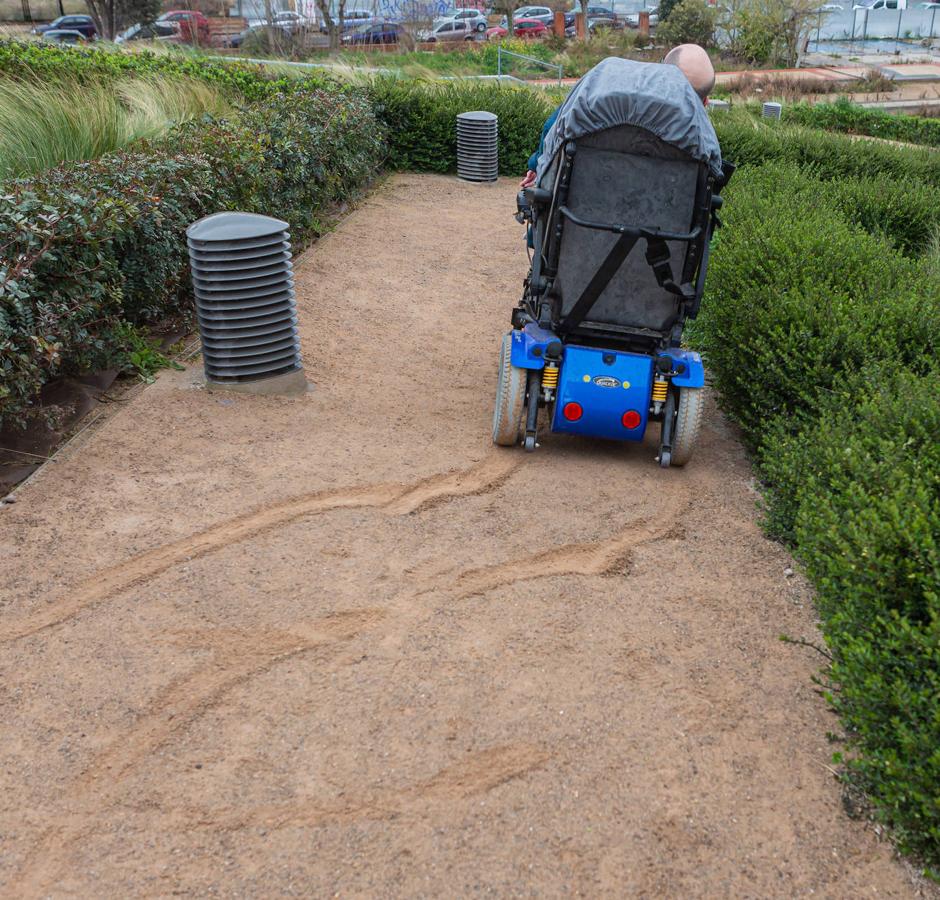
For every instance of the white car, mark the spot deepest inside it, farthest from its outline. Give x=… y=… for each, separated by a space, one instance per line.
x=544 y=14
x=633 y=19
x=473 y=17
x=448 y=30
x=291 y=21
x=881 y=4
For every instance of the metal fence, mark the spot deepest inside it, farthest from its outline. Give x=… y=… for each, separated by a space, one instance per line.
x=503 y=69
x=875 y=30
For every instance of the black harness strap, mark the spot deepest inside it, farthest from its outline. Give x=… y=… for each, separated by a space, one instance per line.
x=657 y=255
x=608 y=268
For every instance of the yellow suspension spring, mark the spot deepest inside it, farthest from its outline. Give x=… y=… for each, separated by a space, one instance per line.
x=660 y=390
x=550 y=378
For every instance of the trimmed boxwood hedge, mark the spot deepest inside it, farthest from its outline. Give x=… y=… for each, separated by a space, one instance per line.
x=821 y=327
x=800 y=293
x=848 y=117
x=747 y=140
x=860 y=485
x=420 y=118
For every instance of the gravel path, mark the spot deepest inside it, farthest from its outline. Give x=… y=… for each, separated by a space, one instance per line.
x=341 y=644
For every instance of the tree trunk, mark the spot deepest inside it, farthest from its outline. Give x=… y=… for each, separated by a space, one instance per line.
x=269 y=24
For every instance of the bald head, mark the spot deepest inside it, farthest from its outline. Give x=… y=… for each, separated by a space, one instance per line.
x=696 y=65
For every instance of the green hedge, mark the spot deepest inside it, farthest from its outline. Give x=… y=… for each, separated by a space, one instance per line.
x=48 y=61
x=88 y=248
x=747 y=140
x=821 y=328
x=848 y=117
x=862 y=484
x=421 y=120
x=800 y=294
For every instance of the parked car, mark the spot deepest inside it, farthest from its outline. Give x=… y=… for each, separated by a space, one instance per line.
x=599 y=23
x=600 y=12
x=188 y=21
x=378 y=33
x=474 y=17
x=64 y=36
x=290 y=20
x=151 y=31
x=448 y=30
x=632 y=20
x=83 y=24
x=881 y=4
x=832 y=7
x=523 y=28
x=542 y=13
x=237 y=40
x=352 y=18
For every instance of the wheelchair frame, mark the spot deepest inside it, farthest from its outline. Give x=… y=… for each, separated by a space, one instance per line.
x=543 y=336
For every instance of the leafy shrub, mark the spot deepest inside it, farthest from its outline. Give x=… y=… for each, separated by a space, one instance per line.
x=90 y=247
x=903 y=210
x=47 y=62
x=689 y=22
x=61 y=280
x=799 y=297
x=773 y=31
x=421 y=121
x=822 y=337
x=862 y=486
x=845 y=116
x=745 y=139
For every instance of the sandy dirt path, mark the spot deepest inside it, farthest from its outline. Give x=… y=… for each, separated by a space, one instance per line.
x=341 y=644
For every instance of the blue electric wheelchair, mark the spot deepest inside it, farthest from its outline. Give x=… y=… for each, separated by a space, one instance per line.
x=596 y=338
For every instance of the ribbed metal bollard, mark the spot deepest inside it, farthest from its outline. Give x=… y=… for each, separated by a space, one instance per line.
x=771 y=110
x=477 y=146
x=242 y=276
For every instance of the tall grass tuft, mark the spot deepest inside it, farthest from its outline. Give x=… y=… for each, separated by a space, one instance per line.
x=45 y=124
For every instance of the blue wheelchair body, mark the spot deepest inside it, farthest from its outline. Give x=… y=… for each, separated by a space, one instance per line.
x=596 y=340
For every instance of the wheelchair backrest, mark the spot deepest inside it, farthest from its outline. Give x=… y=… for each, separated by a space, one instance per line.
x=627 y=175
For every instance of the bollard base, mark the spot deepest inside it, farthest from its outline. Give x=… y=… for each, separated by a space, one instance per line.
x=290 y=384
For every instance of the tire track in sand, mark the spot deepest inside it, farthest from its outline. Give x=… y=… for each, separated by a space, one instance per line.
x=237 y=656
x=394 y=499
x=240 y=655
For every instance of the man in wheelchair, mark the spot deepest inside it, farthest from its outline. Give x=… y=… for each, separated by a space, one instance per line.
x=629 y=158
x=690 y=59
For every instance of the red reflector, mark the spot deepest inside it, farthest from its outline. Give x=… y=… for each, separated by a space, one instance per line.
x=572 y=411
x=631 y=419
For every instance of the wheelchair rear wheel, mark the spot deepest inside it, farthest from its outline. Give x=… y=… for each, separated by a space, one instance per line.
x=510 y=398
x=691 y=402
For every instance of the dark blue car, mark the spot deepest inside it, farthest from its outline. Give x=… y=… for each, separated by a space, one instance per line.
x=376 y=33
x=83 y=24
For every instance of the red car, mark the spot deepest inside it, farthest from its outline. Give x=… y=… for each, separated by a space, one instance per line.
x=523 y=28
x=188 y=21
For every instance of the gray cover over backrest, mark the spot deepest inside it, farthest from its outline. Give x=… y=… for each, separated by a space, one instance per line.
x=653 y=96
x=626 y=175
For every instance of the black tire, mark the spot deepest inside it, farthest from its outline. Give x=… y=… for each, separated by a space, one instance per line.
x=688 y=422
x=481 y=27
x=510 y=398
